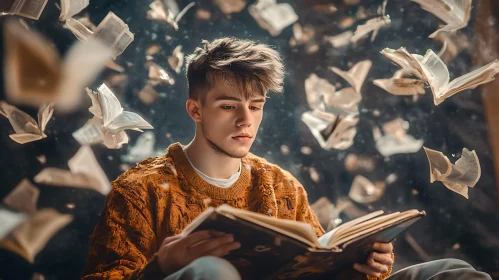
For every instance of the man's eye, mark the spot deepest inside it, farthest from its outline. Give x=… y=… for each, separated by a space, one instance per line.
x=227 y=107
x=255 y=108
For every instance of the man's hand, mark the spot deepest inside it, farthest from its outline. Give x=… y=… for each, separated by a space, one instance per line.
x=378 y=262
x=179 y=250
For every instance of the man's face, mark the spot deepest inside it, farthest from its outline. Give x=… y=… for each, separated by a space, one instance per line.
x=229 y=121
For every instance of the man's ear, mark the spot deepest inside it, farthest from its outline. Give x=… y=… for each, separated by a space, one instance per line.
x=193 y=108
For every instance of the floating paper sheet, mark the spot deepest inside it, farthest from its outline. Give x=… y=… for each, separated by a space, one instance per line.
x=395 y=139
x=35 y=75
x=23 y=198
x=110 y=121
x=69 y=8
x=398 y=85
x=433 y=71
x=364 y=191
x=315 y=89
x=158 y=75
x=29 y=238
x=331 y=131
x=457 y=177
x=10 y=220
x=26 y=8
x=356 y=75
x=455 y=13
x=372 y=25
x=271 y=16
x=25 y=127
x=167 y=12
x=84 y=172
x=177 y=59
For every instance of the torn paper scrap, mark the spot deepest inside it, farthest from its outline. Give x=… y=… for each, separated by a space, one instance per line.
x=457 y=177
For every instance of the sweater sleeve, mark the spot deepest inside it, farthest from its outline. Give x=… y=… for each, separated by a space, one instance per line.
x=123 y=244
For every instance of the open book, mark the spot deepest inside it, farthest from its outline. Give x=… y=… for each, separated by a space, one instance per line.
x=26 y=8
x=25 y=127
x=35 y=74
x=109 y=122
x=433 y=71
x=278 y=249
x=112 y=31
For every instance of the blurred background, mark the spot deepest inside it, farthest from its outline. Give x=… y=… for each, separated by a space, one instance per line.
x=454 y=226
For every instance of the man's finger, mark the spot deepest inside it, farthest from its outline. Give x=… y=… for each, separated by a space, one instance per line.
x=202 y=248
x=383 y=258
x=376 y=266
x=194 y=238
x=383 y=247
x=363 y=268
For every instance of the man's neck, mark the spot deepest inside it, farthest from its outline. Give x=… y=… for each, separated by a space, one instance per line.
x=210 y=162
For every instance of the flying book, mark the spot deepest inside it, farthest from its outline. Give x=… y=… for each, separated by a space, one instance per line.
x=25 y=127
x=433 y=72
x=109 y=122
x=275 y=248
x=273 y=16
x=331 y=131
x=31 y=236
x=458 y=177
x=455 y=13
x=356 y=75
x=372 y=25
x=84 y=172
x=400 y=85
x=26 y=8
x=167 y=12
x=36 y=75
x=112 y=31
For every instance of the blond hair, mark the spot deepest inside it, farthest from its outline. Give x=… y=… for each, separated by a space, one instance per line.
x=253 y=68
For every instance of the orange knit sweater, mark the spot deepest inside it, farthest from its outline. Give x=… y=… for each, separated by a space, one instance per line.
x=160 y=196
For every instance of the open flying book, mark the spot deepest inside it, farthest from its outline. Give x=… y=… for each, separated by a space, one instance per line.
x=167 y=12
x=25 y=127
x=26 y=8
x=279 y=249
x=457 y=177
x=112 y=31
x=84 y=172
x=433 y=72
x=331 y=131
x=35 y=74
x=455 y=13
x=109 y=122
x=273 y=16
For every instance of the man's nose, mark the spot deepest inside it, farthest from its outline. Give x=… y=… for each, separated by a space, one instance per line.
x=244 y=117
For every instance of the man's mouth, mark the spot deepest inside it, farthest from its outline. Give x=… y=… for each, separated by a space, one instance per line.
x=242 y=139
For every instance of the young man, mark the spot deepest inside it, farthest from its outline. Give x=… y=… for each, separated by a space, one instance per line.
x=137 y=236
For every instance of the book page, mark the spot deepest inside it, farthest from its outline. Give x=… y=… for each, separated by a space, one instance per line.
x=482 y=75
x=84 y=162
x=325 y=239
x=69 y=8
x=372 y=25
x=298 y=230
x=28 y=8
x=89 y=134
x=279 y=16
x=29 y=238
x=114 y=33
x=110 y=105
x=23 y=198
x=436 y=72
x=64 y=178
x=78 y=29
x=356 y=75
x=405 y=60
x=457 y=177
x=128 y=120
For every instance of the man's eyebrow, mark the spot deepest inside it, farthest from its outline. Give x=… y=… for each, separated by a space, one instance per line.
x=226 y=97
